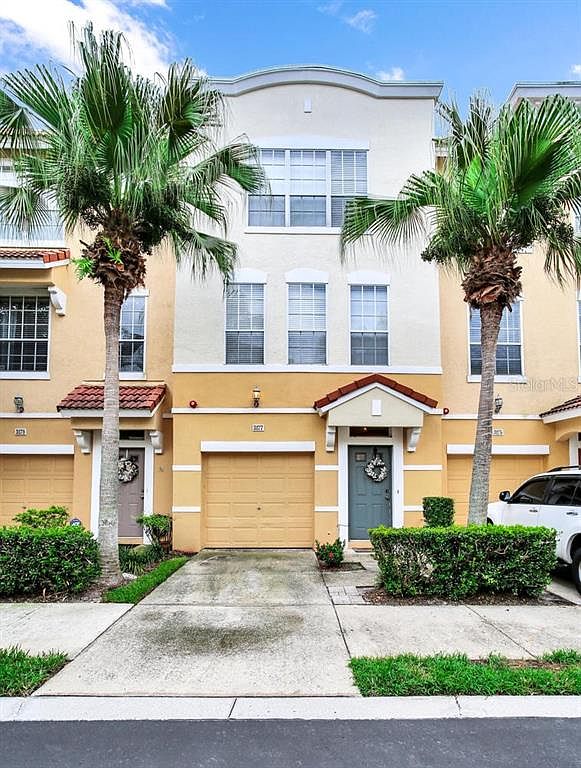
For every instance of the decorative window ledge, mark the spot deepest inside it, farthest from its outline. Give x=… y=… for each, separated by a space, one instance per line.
x=472 y=379
x=132 y=376
x=24 y=375
x=293 y=231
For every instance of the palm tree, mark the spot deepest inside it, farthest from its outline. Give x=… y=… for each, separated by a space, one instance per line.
x=133 y=163
x=509 y=179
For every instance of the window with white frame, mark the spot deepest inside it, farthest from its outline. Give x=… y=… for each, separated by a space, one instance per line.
x=509 y=349
x=307 y=187
x=307 y=323
x=577 y=224
x=245 y=324
x=24 y=325
x=49 y=232
x=132 y=335
x=369 y=336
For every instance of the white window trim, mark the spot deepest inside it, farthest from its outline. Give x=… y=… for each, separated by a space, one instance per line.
x=306 y=275
x=248 y=275
x=473 y=378
x=31 y=375
x=292 y=366
x=387 y=332
x=137 y=375
x=368 y=277
x=230 y=366
x=326 y=228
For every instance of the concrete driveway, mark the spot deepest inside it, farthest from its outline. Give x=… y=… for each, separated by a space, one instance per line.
x=249 y=622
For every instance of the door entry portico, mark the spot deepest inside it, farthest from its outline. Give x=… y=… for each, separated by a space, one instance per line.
x=370 y=502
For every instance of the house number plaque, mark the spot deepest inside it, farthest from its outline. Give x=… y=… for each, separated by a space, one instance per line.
x=20 y=431
x=258 y=427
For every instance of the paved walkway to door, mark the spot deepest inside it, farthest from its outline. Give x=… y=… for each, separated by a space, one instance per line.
x=262 y=623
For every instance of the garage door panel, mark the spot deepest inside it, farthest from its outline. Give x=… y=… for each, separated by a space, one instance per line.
x=506 y=473
x=258 y=500
x=34 y=481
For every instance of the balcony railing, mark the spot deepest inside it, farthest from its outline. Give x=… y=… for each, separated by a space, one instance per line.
x=49 y=235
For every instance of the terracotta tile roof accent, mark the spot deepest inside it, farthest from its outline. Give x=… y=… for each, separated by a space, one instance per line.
x=48 y=255
x=90 y=397
x=568 y=405
x=375 y=378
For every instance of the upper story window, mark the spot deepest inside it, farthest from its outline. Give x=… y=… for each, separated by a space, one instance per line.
x=307 y=323
x=132 y=335
x=245 y=323
x=369 y=336
x=307 y=187
x=24 y=325
x=577 y=224
x=509 y=349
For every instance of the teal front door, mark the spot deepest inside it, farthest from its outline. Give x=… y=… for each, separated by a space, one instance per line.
x=369 y=499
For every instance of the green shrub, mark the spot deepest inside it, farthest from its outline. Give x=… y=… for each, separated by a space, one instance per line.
x=459 y=562
x=135 y=559
x=438 y=511
x=330 y=555
x=53 y=517
x=158 y=528
x=34 y=561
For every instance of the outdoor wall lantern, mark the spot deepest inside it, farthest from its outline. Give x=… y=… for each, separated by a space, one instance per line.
x=19 y=403
x=256 y=397
x=498 y=403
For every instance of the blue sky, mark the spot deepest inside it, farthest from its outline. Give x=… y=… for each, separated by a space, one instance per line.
x=469 y=45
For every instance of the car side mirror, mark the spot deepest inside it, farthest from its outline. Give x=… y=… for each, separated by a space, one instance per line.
x=504 y=495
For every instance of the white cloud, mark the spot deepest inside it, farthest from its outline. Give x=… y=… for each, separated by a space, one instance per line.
x=44 y=25
x=362 y=20
x=332 y=8
x=395 y=73
x=576 y=70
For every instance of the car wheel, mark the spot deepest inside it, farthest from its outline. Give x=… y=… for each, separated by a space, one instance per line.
x=576 y=569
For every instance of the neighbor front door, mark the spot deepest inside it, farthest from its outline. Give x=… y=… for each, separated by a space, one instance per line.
x=131 y=494
x=369 y=499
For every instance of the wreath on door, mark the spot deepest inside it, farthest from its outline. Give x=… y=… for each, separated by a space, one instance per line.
x=376 y=469
x=127 y=469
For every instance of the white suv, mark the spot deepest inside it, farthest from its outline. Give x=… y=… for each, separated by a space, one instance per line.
x=551 y=499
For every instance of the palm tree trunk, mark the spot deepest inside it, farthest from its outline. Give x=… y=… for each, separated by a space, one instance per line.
x=490 y=316
x=109 y=487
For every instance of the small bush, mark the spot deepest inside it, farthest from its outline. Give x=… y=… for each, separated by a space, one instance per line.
x=459 y=562
x=143 y=585
x=135 y=559
x=158 y=528
x=330 y=555
x=438 y=511
x=53 y=517
x=34 y=561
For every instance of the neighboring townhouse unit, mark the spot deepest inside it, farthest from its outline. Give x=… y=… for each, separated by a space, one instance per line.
x=342 y=361
x=51 y=374
x=312 y=398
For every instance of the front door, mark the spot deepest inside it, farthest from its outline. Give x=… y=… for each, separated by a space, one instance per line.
x=369 y=489
x=131 y=487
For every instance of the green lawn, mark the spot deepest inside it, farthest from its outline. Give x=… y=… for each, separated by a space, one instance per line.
x=21 y=673
x=557 y=673
x=136 y=590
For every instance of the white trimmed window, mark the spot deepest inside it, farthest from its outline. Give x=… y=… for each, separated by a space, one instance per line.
x=307 y=187
x=24 y=326
x=509 y=349
x=132 y=335
x=307 y=323
x=369 y=336
x=245 y=324
x=577 y=224
x=49 y=233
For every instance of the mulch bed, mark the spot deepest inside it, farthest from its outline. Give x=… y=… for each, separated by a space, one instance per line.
x=378 y=596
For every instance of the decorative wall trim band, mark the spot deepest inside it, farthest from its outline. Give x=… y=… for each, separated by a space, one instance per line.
x=25 y=416
x=256 y=411
x=257 y=446
x=422 y=467
x=186 y=509
x=37 y=450
x=413 y=508
x=272 y=368
x=467 y=449
x=499 y=417
x=326 y=509
x=186 y=468
x=326 y=467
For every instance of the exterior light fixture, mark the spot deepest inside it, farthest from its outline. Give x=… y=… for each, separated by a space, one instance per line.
x=498 y=403
x=19 y=403
x=256 y=396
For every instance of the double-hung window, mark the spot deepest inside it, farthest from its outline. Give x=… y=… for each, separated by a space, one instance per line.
x=509 y=349
x=245 y=324
x=307 y=187
x=307 y=323
x=24 y=322
x=369 y=335
x=132 y=335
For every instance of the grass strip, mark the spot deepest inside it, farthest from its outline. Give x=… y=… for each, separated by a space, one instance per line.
x=21 y=673
x=557 y=673
x=136 y=590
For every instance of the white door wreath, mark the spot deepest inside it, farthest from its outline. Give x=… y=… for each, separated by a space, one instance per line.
x=127 y=469
x=376 y=469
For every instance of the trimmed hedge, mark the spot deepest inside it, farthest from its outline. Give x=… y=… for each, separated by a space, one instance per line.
x=34 y=561
x=458 y=562
x=438 y=511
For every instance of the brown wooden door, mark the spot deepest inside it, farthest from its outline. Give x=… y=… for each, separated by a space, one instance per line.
x=131 y=496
